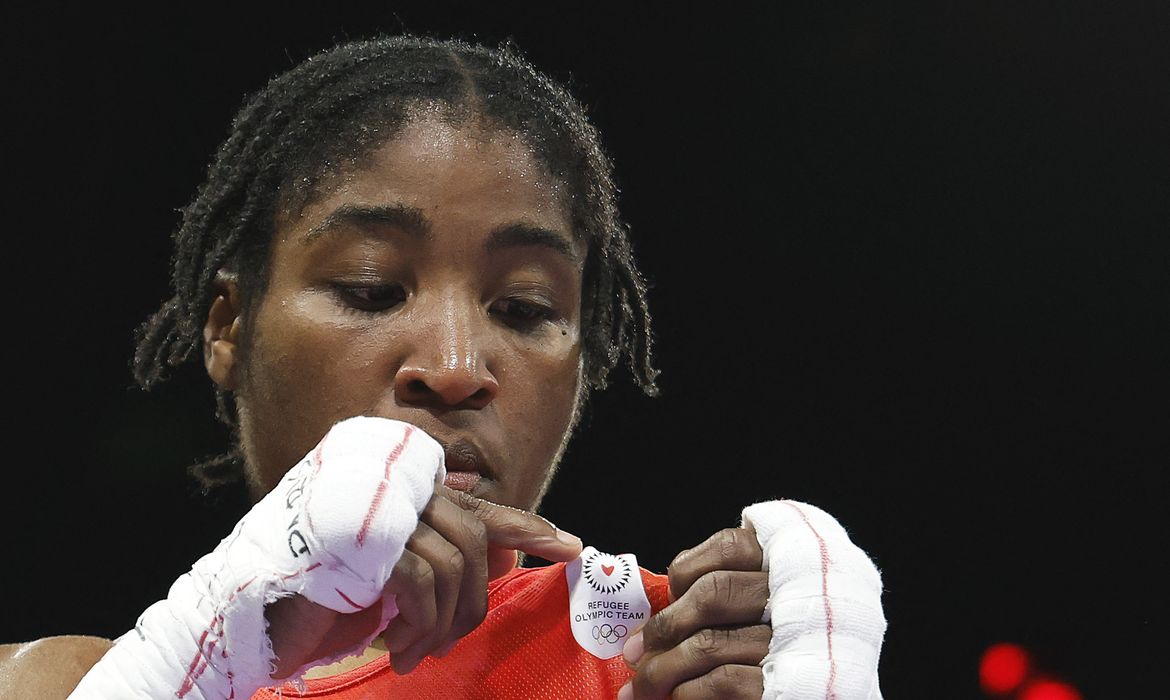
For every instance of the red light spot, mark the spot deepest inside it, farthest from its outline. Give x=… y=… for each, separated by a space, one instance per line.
x=1003 y=668
x=1049 y=690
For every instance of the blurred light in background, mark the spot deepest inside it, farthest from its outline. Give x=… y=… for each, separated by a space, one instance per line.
x=1003 y=668
x=1048 y=690
x=1006 y=672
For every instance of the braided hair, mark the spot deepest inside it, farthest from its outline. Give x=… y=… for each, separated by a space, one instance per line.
x=337 y=107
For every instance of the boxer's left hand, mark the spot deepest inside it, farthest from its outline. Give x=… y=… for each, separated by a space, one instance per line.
x=709 y=642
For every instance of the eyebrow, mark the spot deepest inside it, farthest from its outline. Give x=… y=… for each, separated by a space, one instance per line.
x=409 y=219
x=414 y=222
x=519 y=235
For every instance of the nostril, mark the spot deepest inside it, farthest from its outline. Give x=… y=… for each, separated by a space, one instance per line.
x=444 y=389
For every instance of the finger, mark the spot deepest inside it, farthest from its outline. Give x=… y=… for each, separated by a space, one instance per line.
x=296 y=628
x=717 y=598
x=512 y=528
x=446 y=564
x=699 y=655
x=468 y=536
x=501 y=561
x=730 y=682
x=412 y=582
x=731 y=549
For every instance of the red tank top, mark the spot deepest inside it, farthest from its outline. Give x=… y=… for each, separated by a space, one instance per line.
x=523 y=649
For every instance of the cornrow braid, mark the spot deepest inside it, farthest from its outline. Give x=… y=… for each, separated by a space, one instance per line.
x=334 y=109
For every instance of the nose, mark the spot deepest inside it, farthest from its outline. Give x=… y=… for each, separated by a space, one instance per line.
x=447 y=367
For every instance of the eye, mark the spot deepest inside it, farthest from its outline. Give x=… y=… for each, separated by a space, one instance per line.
x=371 y=298
x=522 y=313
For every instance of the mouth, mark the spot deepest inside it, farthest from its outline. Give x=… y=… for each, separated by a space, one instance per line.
x=467 y=470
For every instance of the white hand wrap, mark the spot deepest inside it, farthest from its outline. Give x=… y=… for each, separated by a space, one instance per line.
x=332 y=530
x=824 y=606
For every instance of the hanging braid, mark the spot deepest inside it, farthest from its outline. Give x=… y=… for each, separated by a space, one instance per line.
x=334 y=109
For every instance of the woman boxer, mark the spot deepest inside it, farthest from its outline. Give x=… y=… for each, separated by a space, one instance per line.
x=424 y=234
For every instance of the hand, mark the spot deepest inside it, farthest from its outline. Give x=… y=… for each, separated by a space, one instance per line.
x=709 y=642
x=354 y=536
x=439 y=584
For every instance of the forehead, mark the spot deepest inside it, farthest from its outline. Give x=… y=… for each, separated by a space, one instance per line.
x=456 y=174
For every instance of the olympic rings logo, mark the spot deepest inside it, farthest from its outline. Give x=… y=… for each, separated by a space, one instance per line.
x=609 y=634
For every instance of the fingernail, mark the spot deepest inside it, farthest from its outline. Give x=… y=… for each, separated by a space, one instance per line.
x=627 y=692
x=634 y=649
x=568 y=538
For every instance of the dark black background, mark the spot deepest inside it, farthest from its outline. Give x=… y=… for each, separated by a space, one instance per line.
x=909 y=264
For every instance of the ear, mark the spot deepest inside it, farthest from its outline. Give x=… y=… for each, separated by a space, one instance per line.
x=221 y=332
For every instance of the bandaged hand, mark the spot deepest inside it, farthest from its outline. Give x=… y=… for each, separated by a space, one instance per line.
x=785 y=607
x=357 y=538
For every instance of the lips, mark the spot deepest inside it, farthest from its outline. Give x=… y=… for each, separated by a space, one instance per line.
x=462 y=481
x=466 y=466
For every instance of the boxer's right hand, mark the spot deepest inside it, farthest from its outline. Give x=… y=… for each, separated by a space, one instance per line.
x=355 y=537
x=439 y=585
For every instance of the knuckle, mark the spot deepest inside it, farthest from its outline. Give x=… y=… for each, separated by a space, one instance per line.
x=715 y=591
x=729 y=542
x=678 y=565
x=729 y=548
x=721 y=683
x=408 y=565
x=726 y=590
x=681 y=572
x=707 y=587
x=726 y=681
x=649 y=678
x=476 y=533
x=659 y=629
x=471 y=504
x=424 y=574
x=707 y=642
x=455 y=561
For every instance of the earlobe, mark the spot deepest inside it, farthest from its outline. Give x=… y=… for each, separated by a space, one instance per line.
x=221 y=334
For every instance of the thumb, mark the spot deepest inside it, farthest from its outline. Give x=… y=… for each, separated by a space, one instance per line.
x=500 y=562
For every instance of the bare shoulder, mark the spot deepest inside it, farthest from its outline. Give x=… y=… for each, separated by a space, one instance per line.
x=47 y=668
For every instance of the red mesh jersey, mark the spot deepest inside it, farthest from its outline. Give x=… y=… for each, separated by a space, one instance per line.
x=523 y=649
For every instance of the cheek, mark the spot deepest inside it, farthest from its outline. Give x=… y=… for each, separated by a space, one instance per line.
x=539 y=410
x=302 y=378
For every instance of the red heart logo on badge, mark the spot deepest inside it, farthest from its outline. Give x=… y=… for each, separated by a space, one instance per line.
x=607 y=569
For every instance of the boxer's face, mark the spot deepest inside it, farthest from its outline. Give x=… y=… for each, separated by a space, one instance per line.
x=439 y=284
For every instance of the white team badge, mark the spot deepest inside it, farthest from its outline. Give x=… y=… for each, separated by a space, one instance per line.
x=607 y=601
